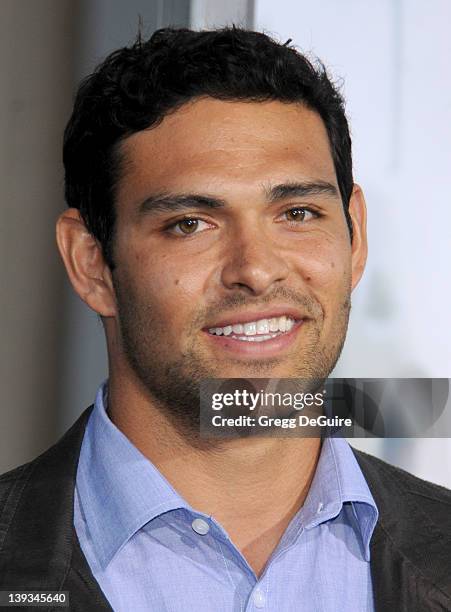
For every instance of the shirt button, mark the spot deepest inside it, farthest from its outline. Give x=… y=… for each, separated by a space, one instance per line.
x=200 y=526
x=259 y=599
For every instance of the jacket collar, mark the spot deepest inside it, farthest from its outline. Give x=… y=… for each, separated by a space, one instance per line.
x=39 y=548
x=410 y=562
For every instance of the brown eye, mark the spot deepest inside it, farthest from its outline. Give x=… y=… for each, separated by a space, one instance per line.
x=299 y=215
x=188 y=226
x=296 y=214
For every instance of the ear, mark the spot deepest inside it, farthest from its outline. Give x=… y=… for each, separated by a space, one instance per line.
x=359 y=249
x=85 y=265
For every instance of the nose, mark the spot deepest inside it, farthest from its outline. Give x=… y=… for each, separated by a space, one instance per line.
x=254 y=263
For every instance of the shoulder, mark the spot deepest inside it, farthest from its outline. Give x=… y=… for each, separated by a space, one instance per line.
x=12 y=487
x=414 y=485
x=399 y=493
x=13 y=479
x=412 y=539
x=54 y=468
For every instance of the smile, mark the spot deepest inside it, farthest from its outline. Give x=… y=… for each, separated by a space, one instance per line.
x=261 y=330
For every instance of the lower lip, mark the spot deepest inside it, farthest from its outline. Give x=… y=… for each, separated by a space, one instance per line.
x=265 y=348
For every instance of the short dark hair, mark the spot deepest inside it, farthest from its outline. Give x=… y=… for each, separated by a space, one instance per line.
x=137 y=86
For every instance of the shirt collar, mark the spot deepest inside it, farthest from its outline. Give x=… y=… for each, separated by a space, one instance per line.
x=120 y=490
x=339 y=480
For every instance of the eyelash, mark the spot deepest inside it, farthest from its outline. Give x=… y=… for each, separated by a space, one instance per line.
x=306 y=209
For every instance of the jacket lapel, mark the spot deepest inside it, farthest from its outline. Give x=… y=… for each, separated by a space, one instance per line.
x=410 y=560
x=40 y=549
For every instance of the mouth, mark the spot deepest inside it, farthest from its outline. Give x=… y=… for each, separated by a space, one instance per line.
x=254 y=335
x=260 y=330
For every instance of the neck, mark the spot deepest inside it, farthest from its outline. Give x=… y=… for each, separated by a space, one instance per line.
x=253 y=487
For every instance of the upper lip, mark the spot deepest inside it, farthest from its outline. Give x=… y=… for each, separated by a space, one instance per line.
x=256 y=315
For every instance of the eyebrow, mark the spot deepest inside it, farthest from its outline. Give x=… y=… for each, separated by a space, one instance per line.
x=300 y=190
x=167 y=202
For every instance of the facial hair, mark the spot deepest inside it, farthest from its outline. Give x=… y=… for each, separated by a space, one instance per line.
x=173 y=380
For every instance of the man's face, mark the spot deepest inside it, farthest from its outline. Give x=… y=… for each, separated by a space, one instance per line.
x=232 y=251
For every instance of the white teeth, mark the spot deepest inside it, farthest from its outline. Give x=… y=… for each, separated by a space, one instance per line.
x=263 y=329
x=263 y=326
x=282 y=324
x=250 y=329
x=289 y=324
x=274 y=325
x=255 y=338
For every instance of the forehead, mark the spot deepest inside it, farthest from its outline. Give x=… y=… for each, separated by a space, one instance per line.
x=217 y=142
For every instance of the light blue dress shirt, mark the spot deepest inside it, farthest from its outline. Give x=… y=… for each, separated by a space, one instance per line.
x=150 y=551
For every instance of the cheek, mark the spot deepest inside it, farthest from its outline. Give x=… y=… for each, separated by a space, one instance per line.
x=172 y=286
x=325 y=265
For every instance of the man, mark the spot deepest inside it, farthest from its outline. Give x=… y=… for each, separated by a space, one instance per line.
x=215 y=227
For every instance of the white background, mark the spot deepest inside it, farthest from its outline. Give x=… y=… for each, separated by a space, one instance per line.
x=394 y=58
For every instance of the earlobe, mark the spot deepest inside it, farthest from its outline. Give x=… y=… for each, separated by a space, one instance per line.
x=357 y=212
x=84 y=262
